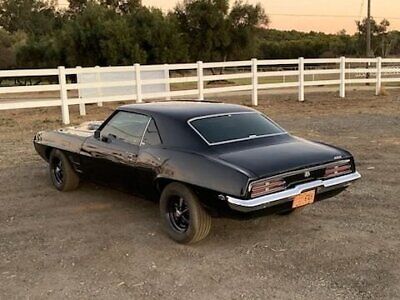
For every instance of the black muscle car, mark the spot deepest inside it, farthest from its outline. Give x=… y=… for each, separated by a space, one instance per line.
x=199 y=159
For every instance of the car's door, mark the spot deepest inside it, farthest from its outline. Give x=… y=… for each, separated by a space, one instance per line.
x=111 y=155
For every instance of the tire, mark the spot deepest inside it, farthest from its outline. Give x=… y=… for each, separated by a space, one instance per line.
x=62 y=175
x=184 y=219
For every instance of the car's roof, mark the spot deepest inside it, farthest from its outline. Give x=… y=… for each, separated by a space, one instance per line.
x=184 y=110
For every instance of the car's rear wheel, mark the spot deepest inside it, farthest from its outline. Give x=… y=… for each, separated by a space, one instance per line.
x=185 y=220
x=62 y=175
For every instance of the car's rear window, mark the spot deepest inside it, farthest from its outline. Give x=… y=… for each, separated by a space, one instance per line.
x=233 y=127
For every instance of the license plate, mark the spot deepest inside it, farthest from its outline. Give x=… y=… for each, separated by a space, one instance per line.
x=304 y=199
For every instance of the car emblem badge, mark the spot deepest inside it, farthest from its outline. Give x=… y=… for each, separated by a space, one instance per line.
x=307 y=174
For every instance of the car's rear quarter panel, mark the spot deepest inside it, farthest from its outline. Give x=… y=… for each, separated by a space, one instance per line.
x=201 y=171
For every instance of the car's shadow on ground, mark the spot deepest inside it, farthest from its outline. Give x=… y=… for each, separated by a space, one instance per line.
x=100 y=208
x=144 y=213
x=121 y=207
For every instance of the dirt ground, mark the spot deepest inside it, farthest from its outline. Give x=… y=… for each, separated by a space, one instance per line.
x=98 y=242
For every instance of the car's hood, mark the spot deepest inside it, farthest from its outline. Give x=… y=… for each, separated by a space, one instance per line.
x=290 y=154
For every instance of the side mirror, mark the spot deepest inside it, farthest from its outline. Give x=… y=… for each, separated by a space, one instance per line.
x=97 y=134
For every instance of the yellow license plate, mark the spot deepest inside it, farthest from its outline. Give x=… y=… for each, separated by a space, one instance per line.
x=304 y=199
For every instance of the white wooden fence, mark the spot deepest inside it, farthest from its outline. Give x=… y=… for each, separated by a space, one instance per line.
x=190 y=80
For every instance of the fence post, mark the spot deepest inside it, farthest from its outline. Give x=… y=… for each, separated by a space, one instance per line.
x=82 y=107
x=301 y=79
x=167 y=85
x=200 y=80
x=138 y=84
x=254 y=81
x=378 y=75
x=342 y=89
x=99 y=90
x=62 y=80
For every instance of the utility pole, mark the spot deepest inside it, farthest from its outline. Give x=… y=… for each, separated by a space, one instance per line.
x=369 y=29
x=368 y=37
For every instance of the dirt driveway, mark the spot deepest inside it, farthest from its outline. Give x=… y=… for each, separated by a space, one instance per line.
x=97 y=242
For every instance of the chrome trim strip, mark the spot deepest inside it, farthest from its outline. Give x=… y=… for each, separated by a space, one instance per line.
x=297 y=190
x=144 y=133
x=222 y=114
x=235 y=140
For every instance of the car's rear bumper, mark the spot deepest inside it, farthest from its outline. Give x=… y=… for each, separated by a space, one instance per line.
x=321 y=186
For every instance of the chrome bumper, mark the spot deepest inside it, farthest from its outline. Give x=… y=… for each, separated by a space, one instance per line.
x=287 y=195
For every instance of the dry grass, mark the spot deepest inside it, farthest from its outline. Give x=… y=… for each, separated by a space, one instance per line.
x=100 y=243
x=383 y=91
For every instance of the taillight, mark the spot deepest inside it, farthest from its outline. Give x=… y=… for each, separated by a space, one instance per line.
x=263 y=187
x=338 y=170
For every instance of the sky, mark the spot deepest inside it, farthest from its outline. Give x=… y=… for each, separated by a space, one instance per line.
x=295 y=14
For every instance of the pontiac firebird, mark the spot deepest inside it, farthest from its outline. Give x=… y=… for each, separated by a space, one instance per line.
x=199 y=159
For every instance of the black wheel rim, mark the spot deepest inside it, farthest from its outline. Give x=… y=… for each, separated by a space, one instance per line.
x=58 y=171
x=178 y=214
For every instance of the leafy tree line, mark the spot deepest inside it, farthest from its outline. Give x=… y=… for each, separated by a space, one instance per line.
x=293 y=44
x=33 y=33
x=112 y=32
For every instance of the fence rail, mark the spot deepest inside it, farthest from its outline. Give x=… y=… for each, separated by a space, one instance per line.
x=191 y=80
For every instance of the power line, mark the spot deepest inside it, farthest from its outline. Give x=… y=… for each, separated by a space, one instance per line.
x=329 y=16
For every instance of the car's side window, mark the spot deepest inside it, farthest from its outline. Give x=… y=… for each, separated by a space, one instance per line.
x=151 y=136
x=126 y=126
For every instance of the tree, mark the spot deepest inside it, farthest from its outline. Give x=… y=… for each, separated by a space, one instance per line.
x=123 y=6
x=99 y=36
x=393 y=43
x=205 y=29
x=40 y=52
x=31 y=16
x=274 y=43
x=243 y=21
x=214 y=33
x=379 y=32
x=8 y=48
x=119 y=6
x=158 y=36
x=76 y=6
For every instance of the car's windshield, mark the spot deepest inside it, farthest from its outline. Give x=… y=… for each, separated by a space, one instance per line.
x=233 y=127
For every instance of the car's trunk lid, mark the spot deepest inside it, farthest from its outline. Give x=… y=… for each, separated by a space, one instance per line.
x=267 y=159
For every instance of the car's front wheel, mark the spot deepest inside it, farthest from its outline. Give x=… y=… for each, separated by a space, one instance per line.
x=185 y=220
x=62 y=174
